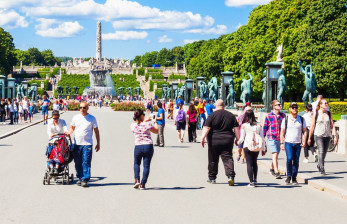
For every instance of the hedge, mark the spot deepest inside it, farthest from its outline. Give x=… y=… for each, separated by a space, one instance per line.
x=157 y=76
x=334 y=107
x=155 y=70
x=141 y=71
x=127 y=106
x=26 y=75
x=175 y=77
x=159 y=84
x=38 y=82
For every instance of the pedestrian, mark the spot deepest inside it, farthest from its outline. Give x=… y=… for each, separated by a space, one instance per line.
x=56 y=125
x=253 y=141
x=83 y=125
x=315 y=103
x=241 y=120
x=221 y=128
x=180 y=122
x=292 y=130
x=179 y=101
x=171 y=109
x=322 y=127
x=308 y=119
x=44 y=107
x=56 y=105
x=191 y=120
x=15 y=108
x=160 y=120
x=31 y=111
x=142 y=129
x=3 y=106
x=209 y=107
x=20 y=111
x=272 y=129
x=202 y=116
x=164 y=104
x=25 y=104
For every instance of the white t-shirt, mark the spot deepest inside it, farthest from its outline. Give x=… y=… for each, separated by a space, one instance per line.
x=56 y=129
x=294 y=129
x=25 y=104
x=55 y=106
x=84 y=126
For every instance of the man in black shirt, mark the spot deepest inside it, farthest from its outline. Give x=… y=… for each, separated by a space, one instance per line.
x=221 y=128
x=2 y=110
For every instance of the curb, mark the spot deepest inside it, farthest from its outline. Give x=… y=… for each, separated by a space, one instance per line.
x=317 y=184
x=22 y=128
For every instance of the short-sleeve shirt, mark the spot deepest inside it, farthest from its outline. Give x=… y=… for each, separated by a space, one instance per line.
x=294 y=129
x=222 y=123
x=209 y=108
x=56 y=129
x=45 y=103
x=201 y=107
x=84 y=126
x=192 y=116
x=161 y=111
x=179 y=101
x=142 y=133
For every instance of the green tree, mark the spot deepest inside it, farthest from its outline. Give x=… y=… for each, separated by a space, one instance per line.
x=36 y=57
x=7 y=52
x=48 y=57
x=22 y=56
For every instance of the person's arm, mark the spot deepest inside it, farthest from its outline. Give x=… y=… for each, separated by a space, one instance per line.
x=97 y=136
x=237 y=134
x=155 y=129
x=49 y=131
x=205 y=131
x=282 y=138
x=301 y=68
x=160 y=117
x=243 y=135
x=304 y=137
x=313 y=125
x=265 y=126
x=334 y=129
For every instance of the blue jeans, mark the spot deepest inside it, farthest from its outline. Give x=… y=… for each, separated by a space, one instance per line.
x=83 y=160
x=293 y=154
x=204 y=117
x=11 y=117
x=144 y=152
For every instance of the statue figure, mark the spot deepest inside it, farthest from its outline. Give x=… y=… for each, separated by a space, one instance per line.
x=231 y=96
x=203 y=89
x=129 y=91
x=76 y=89
x=279 y=53
x=164 y=93
x=282 y=86
x=18 y=90
x=212 y=89
x=182 y=92
x=246 y=88
x=310 y=82
x=220 y=93
x=176 y=93
x=169 y=91
x=33 y=93
x=264 y=93
x=60 y=90
x=68 y=90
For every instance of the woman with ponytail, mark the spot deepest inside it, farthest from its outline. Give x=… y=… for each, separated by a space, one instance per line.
x=142 y=129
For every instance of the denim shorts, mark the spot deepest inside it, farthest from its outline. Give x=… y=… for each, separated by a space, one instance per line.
x=274 y=146
x=180 y=125
x=240 y=146
x=44 y=111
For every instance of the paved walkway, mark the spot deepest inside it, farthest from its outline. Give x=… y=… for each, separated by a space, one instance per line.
x=177 y=189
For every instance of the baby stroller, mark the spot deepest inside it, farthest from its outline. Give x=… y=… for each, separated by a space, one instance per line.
x=59 y=145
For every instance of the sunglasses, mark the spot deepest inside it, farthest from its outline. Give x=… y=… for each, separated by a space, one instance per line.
x=278 y=105
x=83 y=107
x=294 y=108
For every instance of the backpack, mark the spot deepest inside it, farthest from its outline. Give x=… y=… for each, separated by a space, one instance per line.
x=255 y=142
x=63 y=147
x=286 y=123
x=180 y=116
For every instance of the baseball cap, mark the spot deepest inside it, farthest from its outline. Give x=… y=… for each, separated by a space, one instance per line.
x=248 y=104
x=293 y=104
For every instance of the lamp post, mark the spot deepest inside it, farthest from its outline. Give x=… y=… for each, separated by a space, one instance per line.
x=226 y=77
x=189 y=90
x=271 y=83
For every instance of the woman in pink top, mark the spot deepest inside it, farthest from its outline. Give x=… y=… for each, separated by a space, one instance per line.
x=143 y=146
x=191 y=120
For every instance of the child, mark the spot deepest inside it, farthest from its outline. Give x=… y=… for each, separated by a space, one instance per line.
x=31 y=111
x=20 y=112
x=55 y=159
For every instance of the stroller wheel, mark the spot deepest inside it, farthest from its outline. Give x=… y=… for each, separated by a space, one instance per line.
x=44 y=179
x=48 y=181
x=71 y=178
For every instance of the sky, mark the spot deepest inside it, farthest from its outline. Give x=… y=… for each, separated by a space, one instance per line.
x=129 y=27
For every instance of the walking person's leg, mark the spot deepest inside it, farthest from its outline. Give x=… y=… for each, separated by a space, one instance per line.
x=213 y=160
x=228 y=161
x=249 y=160
x=274 y=146
x=147 y=158
x=290 y=156
x=204 y=117
x=326 y=141
x=137 y=161
x=77 y=156
x=162 y=140
x=190 y=132
x=87 y=154
x=11 y=117
x=321 y=153
x=296 y=157
x=255 y=166
x=194 y=131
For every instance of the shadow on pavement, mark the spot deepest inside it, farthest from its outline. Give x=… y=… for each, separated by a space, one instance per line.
x=95 y=179
x=339 y=161
x=5 y=145
x=177 y=146
x=275 y=185
x=108 y=184
x=175 y=188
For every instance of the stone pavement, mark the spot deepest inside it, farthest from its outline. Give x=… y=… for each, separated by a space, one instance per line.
x=177 y=189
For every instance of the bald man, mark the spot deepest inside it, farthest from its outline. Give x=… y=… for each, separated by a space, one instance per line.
x=221 y=128
x=83 y=125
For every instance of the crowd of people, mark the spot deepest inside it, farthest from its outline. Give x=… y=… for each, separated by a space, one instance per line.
x=221 y=130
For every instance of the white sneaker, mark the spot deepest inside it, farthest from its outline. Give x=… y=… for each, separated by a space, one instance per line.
x=305 y=160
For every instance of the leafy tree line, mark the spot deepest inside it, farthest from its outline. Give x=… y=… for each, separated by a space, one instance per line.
x=34 y=56
x=313 y=31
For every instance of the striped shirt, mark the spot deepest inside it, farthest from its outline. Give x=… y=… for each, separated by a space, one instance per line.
x=272 y=125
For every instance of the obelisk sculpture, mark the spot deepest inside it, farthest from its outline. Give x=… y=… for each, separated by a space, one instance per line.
x=98 y=41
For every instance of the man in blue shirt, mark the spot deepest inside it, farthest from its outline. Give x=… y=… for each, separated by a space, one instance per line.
x=179 y=101
x=209 y=107
x=44 y=107
x=160 y=119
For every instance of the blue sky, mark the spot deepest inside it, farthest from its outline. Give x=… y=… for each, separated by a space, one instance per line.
x=130 y=28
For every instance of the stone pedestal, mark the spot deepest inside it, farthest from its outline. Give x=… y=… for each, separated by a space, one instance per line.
x=342 y=143
x=271 y=83
x=2 y=86
x=11 y=89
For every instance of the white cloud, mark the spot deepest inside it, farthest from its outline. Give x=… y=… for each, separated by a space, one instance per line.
x=11 y=19
x=56 y=29
x=238 y=3
x=148 y=41
x=219 y=29
x=164 y=39
x=124 y=35
x=238 y=26
x=189 y=41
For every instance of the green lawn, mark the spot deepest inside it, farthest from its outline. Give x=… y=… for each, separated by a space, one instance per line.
x=336 y=117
